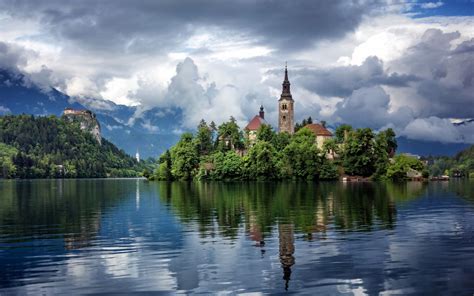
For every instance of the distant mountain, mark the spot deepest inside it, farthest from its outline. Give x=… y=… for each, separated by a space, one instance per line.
x=425 y=148
x=151 y=133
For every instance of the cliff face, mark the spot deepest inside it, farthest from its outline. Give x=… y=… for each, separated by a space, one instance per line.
x=87 y=120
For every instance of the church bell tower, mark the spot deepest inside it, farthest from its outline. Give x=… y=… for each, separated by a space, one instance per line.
x=285 y=108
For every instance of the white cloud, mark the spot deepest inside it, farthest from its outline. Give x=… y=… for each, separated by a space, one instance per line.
x=232 y=70
x=439 y=129
x=149 y=127
x=431 y=5
x=4 y=110
x=118 y=89
x=113 y=127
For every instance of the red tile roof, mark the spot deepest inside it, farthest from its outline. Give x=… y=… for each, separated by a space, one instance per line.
x=318 y=129
x=255 y=123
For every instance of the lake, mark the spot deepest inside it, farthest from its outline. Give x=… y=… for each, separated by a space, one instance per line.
x=131 y=235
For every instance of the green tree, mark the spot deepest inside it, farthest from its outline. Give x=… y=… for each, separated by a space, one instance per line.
x=401 y=165
x=281 y=140
x=229 y=136
x=303 y=123
x=359 y=153
x=265 y=133
x=328 y=170
x=302 y=155
x=184 y=158
x=260 y=163
x=341 y=132
x=203 y=138
x=228 y=165
x=389 y=137
x=7 y=168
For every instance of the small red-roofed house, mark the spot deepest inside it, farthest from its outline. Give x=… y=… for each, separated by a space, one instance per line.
x=254 y=124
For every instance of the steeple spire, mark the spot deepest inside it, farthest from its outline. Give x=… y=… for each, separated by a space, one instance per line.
x=286 y=83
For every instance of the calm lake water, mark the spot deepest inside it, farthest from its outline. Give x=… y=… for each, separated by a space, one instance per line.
x=127 y=235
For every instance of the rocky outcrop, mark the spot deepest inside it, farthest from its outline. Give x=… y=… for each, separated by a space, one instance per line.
x=87 y=120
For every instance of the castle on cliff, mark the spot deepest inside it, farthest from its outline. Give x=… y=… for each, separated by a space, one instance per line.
x=87 y=120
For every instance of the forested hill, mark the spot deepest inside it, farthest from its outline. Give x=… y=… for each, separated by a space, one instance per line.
x=462 y=164
x=52 y=147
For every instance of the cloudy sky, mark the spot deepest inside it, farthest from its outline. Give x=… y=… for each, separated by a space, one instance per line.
x=377 y=63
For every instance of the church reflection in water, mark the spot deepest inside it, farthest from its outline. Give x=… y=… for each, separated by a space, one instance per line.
x=287 y=249
x=306 y=209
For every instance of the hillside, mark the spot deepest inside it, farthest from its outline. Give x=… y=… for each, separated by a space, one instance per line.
x=52 y=147
x=461 y=165
x=151 y=133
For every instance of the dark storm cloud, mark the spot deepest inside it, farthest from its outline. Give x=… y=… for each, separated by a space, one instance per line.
x=369 y=107
x=447 y=74
x=437 y=80
x=12 y=56
x=342 y=81
x=146 y=26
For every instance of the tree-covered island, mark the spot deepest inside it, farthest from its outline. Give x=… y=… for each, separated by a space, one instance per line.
x=228 y=153
x=303 y=150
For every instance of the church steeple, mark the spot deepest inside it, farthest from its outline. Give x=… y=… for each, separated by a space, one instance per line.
x=286 y=107
x=286 y=85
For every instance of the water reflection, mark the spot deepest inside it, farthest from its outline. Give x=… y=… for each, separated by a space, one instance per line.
x=287 y=249
x=108 y=236
x=310 y=208
x=306 y=208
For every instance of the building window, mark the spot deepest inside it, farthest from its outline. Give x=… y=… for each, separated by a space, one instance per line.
x=284 y=117
x=284 y=107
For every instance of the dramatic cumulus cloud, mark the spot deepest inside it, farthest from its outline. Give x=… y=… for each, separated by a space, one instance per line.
x=447 y=84
x=438 y=129
x=367 y=63
x=369 y=107
x=190 y=92
x=432 y=80
x=342 y=81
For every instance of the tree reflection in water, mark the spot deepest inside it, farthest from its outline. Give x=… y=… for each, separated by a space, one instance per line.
x=307 y=209
x=47 y=221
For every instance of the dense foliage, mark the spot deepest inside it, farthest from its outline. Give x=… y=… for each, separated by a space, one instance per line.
x=224 y=153
x=461 y=165
x=51 y=147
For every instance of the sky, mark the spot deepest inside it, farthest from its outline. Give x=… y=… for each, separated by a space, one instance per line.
x=408 y=64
